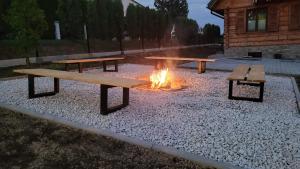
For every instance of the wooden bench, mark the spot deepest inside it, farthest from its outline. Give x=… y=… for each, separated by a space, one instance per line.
x=248 y=75
x=80 y=62
x=201 y=61
x=104 y=82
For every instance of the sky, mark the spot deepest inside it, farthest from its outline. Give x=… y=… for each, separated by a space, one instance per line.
x=197 y=11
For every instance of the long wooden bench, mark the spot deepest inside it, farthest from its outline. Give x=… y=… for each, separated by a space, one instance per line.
x=104 y=82
x=248 y=75
x=201 y=61
x=80 y=63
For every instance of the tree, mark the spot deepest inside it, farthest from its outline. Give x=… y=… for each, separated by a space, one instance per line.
x=132 y=21
x=186 y=30
x=28 y=23
x=72 y=16
x=174 y=8
x=162 y=26
x=49 y=8
x=211 y=33
x=4 y=5
x=102 y=19
x=117 y=18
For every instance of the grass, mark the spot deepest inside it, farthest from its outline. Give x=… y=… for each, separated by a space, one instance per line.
x=27 y=142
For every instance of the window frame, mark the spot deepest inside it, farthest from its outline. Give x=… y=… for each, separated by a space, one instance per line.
x=256 y=11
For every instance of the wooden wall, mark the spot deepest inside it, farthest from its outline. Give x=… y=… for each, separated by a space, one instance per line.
x=279 y=31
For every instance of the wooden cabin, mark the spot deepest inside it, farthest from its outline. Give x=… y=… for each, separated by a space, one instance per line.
x=260 y=28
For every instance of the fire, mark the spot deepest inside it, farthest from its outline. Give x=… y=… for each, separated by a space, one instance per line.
x=160 y=79
x=164 y=79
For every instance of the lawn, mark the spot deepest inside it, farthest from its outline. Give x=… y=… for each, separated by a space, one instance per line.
x=27 y=142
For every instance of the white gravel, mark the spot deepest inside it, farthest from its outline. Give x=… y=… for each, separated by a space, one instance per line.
x=199 y=119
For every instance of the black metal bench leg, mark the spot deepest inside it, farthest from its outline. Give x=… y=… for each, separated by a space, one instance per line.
x=31 y=88
x=104 y=110
x=66 y=67
x=104 y=67
x=56 y=85
x=261 y=92
x=230 y=89
x=125 y=96
x=116 y=66
x=104 y=99
x=80 y=67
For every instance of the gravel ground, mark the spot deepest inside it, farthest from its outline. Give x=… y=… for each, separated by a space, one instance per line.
x=199 y=119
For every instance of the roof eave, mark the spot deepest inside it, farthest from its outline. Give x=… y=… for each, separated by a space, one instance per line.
x=211 y=4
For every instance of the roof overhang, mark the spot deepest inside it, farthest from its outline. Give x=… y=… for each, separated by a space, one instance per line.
x=218 y=13
x=211 y=4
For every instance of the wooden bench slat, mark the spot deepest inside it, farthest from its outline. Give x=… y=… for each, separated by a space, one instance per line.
x=239 y=73
x=87 y=60
x=182 y=59
x=257 y=74
x=84 y=77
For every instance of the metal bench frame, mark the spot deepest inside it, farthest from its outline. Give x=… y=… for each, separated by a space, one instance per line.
x=261 y=86
x=107 y=70
x=104 y=63
x=201 y=65
x=104 y=109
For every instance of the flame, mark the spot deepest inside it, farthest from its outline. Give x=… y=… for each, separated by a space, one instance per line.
x=160 y=79
x=164 y=79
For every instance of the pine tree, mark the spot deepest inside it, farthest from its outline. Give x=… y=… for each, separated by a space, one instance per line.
x=132 y=21
x=117 y=26
x=72 y=16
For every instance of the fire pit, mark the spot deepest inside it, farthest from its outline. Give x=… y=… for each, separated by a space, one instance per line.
x=164 y=79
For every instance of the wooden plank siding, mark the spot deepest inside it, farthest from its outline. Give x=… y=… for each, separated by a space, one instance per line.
x=283 y=23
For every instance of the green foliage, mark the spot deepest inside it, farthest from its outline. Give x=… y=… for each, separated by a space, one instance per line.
x=50 y=8
x=211 y=33
x=174 y=8
x=72 y=15
x=146 y=23
x=132 y=21
x=118 y=21
x=28 y=23
x=186 y=30
x=117 y=16
x=98 y=18
x=4 y=30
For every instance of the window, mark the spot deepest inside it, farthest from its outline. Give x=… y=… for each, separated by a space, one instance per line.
x=257 y=20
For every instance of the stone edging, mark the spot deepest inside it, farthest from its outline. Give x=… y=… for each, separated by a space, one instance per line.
x=167 y=150
x=297 y=93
